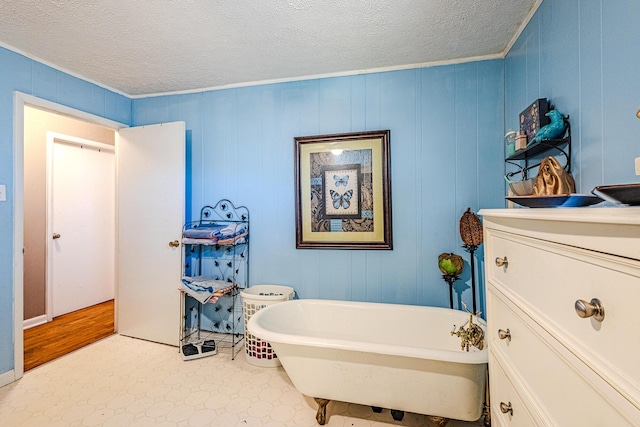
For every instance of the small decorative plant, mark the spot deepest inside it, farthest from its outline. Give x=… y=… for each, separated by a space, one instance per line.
x=451 y=266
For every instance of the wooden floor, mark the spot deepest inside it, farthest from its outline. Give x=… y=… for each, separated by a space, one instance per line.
x=67 y=333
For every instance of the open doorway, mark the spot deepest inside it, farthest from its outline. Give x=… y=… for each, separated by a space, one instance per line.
x=48 y=334
x=151 y=175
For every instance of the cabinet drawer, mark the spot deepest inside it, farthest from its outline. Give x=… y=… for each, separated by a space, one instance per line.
x=547 y=279
x=502 y=392
x=557 y=380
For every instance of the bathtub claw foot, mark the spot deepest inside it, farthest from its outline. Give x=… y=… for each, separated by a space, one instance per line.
x=438 y=421
x=376 y=409
x=397 y=415
x=321 y=415
x=487 y=415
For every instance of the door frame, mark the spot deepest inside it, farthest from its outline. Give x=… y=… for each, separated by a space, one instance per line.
x=52 y=137
x=20 y=101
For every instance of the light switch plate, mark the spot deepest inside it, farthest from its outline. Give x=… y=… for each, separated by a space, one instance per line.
x=637 y=165
x=3 y=190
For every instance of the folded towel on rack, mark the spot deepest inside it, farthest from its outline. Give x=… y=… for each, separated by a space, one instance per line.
x=219 y=293
x=205 y=289
x=191 y=241
x=232 y=230
x=233 y=240
x=209 y=242
x=214 y=233
x=208 y=232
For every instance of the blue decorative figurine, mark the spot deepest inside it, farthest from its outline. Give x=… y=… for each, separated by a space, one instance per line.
x=553 y=130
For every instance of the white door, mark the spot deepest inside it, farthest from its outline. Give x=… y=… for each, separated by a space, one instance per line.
x=81 y=223
x=151 y=201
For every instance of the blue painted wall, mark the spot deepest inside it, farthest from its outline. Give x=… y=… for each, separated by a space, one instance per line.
x=18 y=73
x=583 y=55
x=446 y=155
x=446 y=137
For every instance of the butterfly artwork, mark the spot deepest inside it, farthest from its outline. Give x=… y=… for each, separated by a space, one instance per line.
x=341 y=181
x=341 y=200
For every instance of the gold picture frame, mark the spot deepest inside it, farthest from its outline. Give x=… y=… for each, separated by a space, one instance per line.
x=343 y=191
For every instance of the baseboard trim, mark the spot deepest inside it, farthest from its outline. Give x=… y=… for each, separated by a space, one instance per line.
x=34 y=321
x=7 y=378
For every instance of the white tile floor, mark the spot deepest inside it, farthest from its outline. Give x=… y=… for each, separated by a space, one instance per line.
x=122 y=381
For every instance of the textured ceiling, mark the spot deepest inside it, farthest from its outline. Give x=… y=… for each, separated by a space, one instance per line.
x=141 y=47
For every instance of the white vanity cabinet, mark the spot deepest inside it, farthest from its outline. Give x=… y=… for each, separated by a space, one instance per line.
x=563 y=316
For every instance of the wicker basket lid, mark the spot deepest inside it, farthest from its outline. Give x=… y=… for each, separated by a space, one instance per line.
x=471 y=229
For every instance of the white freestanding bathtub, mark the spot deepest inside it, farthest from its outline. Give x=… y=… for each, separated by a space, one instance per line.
x=399 y=357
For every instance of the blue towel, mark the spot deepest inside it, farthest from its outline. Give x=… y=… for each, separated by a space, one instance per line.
x=202 y=288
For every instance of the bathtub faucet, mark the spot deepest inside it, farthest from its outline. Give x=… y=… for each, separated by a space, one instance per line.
x=473 y=335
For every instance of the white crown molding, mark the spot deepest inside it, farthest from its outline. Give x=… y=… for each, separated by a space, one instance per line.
x=327 y=75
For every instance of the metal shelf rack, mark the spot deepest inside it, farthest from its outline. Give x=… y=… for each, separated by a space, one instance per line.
x=226 y=260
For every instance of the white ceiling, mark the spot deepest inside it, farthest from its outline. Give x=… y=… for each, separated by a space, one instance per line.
x=142 y=47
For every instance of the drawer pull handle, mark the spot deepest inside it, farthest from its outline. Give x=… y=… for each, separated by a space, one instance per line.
x=504 y=335
x=506 y=408
x=174 y=244
x=502 y=262
x=586 y=309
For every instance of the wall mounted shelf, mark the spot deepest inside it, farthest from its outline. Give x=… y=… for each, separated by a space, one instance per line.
x=562 y=145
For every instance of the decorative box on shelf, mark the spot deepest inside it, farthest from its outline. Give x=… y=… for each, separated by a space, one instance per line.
x=533 y=118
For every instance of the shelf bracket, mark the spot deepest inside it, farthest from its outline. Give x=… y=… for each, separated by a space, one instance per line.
x=538 y=148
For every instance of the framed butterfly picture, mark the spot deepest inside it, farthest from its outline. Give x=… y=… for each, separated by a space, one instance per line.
x=343 y=191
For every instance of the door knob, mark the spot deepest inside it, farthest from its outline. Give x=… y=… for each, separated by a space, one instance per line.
x=56 y=236
x=586 y=309
x=174 y=244
x=504 y=335
x=502 y=262
x=506 y=408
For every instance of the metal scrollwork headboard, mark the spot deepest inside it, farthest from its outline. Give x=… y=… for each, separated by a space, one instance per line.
x=224 y=211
